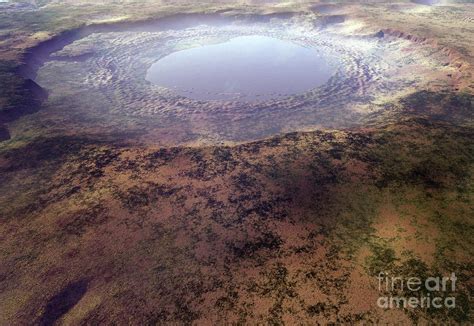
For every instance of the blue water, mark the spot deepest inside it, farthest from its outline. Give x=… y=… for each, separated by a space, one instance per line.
x=246 y=68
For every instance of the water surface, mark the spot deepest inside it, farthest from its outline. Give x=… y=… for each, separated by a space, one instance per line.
x=246 y=68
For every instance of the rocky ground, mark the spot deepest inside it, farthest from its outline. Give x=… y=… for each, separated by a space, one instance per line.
x=105 y=225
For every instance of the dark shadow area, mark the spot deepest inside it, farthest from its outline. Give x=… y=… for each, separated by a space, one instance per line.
x=62 y=302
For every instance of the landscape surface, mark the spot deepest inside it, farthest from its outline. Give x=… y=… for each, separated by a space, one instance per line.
x=126 y=203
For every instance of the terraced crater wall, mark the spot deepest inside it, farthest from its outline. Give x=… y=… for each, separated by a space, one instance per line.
x=109 y=63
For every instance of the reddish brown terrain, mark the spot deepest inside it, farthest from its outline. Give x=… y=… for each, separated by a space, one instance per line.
x=126 y=209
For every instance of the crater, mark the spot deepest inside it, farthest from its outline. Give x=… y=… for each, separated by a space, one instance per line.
x=231 y=79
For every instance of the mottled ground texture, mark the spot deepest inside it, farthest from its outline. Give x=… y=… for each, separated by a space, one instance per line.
x=120 y=209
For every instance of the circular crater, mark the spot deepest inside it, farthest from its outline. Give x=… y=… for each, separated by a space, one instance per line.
x=236 y=81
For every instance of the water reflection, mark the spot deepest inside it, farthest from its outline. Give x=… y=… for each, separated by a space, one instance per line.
x=246 y=68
